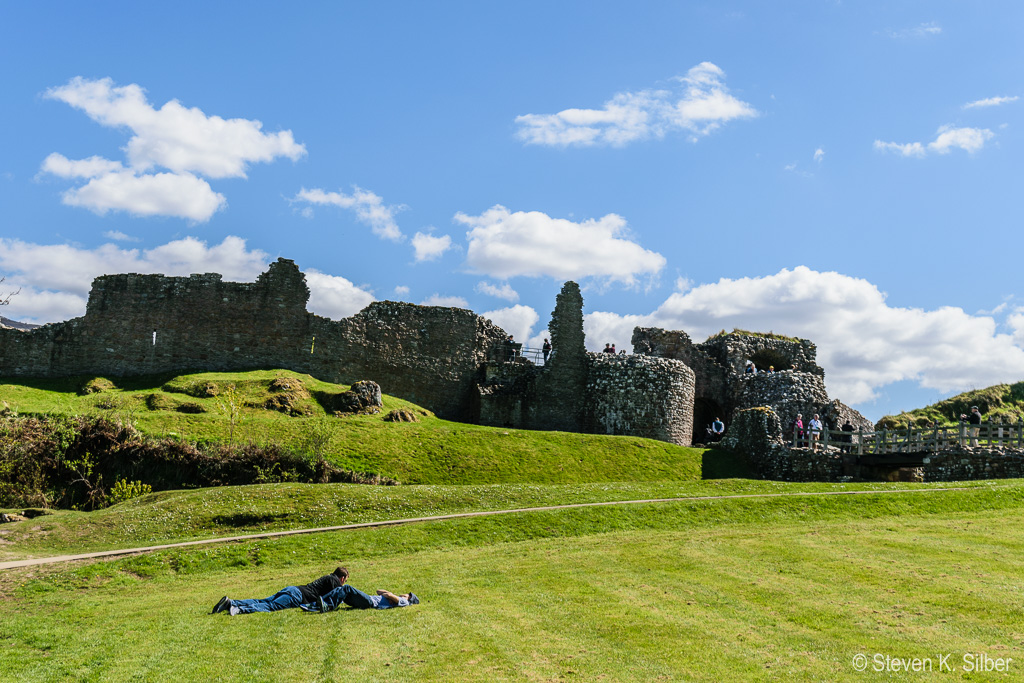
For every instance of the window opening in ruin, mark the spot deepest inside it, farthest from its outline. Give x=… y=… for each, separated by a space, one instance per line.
x=154 y=337
x=766 y=358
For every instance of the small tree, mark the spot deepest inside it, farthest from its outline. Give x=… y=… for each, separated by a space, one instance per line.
x=319 y=433
x=230 y=405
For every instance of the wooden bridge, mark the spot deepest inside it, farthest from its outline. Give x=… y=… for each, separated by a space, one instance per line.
x=890 y=446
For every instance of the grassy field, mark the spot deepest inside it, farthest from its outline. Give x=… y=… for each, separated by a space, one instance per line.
x=729 y=589
x=742 y=580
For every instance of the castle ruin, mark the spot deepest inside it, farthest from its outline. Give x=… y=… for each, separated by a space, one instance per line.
x=448 y=360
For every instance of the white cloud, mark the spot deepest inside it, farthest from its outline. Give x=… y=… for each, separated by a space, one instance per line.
x=60 y=165
x=990 y=102
x=517 y=320
x=368 y=207
x=55 y=279
x=119 y=236
x=611 y=328
x=181 y=195
x=1015 y=321
x=448 y=301
x=699 y=105
x=819 y=155
x=532 y=244
x=335 y=297
x=185 y=142
x=863 y=343
x=503 y=292
x=429 y=247
x=947 y=137
x=401 y=290
x=909 y=149
x=924 y=30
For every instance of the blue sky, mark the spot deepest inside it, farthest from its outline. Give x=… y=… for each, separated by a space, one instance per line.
x=846 y=172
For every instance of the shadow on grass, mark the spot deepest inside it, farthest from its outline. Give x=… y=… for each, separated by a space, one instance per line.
x=721 y=464
x=243 y=519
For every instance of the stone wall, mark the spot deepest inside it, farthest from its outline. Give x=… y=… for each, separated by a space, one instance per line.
x=735 y=349
x=596 y=393
x=640 y=396
x=964 y=464
x=565 y=374
x=757 y=433
x=722 y=388
x=792 y=393
x=142 y=324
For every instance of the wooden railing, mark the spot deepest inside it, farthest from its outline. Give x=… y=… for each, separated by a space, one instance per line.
x=915 y=439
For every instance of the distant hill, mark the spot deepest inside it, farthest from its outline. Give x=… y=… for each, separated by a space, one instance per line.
x=7 y=322
x=1002 y=402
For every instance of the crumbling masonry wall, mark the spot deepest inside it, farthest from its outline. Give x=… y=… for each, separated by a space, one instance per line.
x=590 y=392
x=142 y=324
x=723 y=389
x=640 y=396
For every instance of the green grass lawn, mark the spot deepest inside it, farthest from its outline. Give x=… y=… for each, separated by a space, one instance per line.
x=715 y=590
x=766 y=588
x=176 y=516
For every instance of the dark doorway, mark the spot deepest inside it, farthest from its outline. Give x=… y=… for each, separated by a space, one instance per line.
x=705 y=411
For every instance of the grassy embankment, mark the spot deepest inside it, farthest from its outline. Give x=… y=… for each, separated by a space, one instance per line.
x=431 y=451
x=999 y=403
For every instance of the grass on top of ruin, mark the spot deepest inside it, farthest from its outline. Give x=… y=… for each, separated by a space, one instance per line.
x=252 y=407
x=735 y=589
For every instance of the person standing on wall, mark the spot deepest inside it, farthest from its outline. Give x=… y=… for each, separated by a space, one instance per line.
x=974 y=419
x=816 y=428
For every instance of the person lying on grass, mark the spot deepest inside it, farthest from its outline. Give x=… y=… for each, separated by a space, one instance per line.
x=290 y=596
x=357 y=599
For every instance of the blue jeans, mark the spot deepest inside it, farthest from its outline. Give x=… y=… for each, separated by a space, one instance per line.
x=282 y=599
x=353 y=597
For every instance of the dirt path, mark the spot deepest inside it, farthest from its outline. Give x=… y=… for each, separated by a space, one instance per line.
x=437 y=518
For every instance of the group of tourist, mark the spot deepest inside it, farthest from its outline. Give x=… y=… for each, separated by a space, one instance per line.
x=323 y=595
x=610 y=348
x=751 y=368
x=815 y=427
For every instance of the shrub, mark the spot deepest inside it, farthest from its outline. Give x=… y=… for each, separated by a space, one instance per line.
x=126 y=490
